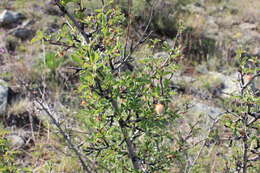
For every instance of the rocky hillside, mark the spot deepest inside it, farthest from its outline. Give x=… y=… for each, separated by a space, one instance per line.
x=215 y=30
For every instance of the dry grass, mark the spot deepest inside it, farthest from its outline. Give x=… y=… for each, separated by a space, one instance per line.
x=19 y=107
x=51 y=155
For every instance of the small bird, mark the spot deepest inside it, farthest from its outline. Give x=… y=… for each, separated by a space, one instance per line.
x=159 y=108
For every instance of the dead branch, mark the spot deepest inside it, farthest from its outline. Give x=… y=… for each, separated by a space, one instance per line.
x=65 y=136
x=205 y=142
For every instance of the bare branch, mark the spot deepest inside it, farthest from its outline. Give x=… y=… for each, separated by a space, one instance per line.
x=142 y=39
x=205 y=142
x=256 y=116
x=256 y=158
x=58 y=43
x=72 y=18
x=65 y=136
x=130 y=147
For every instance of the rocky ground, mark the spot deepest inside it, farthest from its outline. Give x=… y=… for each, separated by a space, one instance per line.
x=205 y=78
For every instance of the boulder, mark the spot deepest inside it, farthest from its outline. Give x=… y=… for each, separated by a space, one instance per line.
x=195 y=8
x=201 y=108
x=248 y=26
x=10 y=19
x=23 y=33
x=231 y=84
x=209 y=85
x=3 y=97
x=16 y=141
x=207 y=112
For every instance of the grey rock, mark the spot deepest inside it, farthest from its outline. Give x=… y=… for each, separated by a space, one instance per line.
x=212 y=28
x=221 y=85
x=9 y=19
x=195 y=8
x=23 y=33
x=231 y=84
x=3 y=97
x=201 y=108
x=203 y=111
x=248 y=26
x=16 y=141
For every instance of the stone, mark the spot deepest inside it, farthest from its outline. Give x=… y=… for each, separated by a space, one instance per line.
x=195 y=8
x=212 y=28
x=16 y=141
x=10 y=19
x=209 y=85
x=200 y=108
x=197 y=111
x=248 y=26
x=3 y=97
x=23 y=33
x=231 y=84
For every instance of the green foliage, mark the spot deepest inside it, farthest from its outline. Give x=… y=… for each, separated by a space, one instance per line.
x=125 y=97
x=125 y=131
x=126 y=110
x=7 y=158
x=242 y=119
x=53 y=61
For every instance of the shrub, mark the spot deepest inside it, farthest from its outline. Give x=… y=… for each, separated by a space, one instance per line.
x=126 y=108
x=7 y=159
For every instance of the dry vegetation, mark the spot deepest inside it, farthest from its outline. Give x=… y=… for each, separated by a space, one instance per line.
x=26 y=71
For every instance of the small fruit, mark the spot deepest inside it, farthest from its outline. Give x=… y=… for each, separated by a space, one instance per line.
x=159 y=108
x=249 y=77
x=83 y=102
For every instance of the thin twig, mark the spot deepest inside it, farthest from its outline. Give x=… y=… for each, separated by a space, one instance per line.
x=205 y=142
x=57 y=43
x=65 y=136
x=143 y=38
x=72 y=18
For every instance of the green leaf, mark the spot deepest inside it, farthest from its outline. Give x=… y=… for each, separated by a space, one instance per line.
x=39 y=36
x=77 y=59
x=52 y=61
x=64 y=2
